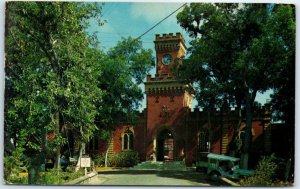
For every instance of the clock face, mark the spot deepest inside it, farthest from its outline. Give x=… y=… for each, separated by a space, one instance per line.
x=166 y=59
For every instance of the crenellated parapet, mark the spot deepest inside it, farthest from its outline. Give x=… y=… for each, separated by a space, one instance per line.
x=169 y=36
x=258 y=113
x=169 y=42
x=163 y=88
x=157 y=77
x=166 y=86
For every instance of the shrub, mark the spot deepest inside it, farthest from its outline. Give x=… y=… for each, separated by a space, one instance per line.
x=265 y=174
x=99 y=160
x=13 y=164
x=54 y=177
x=18 y=180
x=49 y=178
x=124 y=159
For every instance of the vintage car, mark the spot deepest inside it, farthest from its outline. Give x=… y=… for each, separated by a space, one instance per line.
x=225 y=166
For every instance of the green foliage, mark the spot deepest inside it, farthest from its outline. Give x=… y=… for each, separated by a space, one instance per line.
x=226 y=38
x=266 y=168
x=49 y=178
x=17 y=180
x=51 y=72
x=136 y=60
x=99 y=160
x=57 y=78
x=265 y=174
x=15 y=163
x=123 y=68
x=228 y=60
x=283 y=99
x=54 y=177
x=124 y=159
x=12 y=167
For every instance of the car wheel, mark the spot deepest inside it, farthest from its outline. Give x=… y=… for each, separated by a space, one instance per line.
x=215 y=176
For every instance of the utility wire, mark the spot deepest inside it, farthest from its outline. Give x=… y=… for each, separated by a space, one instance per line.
x=160 y=21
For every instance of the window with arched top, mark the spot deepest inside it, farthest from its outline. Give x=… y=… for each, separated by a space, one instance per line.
x=203 y=141
x=127 y=140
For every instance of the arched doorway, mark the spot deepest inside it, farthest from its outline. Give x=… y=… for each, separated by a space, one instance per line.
x=165 y=146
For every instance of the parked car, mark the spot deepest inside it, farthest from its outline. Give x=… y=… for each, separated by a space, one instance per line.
x=226 y=166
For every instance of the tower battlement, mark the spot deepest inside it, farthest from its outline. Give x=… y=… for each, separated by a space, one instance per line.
x=169 y=36
x=169 y=42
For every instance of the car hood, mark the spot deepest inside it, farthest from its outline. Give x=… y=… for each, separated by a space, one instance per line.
x=244 y=172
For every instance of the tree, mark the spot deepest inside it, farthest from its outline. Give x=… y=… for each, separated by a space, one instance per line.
x=283 y=99
x=50 y=75
x=228 y=58
x=123 y=68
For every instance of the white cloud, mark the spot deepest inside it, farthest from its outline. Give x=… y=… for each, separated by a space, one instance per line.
x=154 y=12
x=107 y=27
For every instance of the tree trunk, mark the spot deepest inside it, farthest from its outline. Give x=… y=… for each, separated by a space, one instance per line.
x=57 y=158
x=81 y=150
x=34 y=168
x=248 y=133
x=32 y=175
x=58 y=148
x=233 y=148
x=209 y=129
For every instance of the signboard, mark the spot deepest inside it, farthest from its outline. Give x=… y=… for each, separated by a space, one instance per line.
x=85 y=162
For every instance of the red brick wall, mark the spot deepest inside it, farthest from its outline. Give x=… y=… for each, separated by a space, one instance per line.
x=139 y=140
x=184 y=126
x=166 y=69
x=257 y=130
x=117 y=137
x=174 y=121
x=138 y=135
x=102 y=147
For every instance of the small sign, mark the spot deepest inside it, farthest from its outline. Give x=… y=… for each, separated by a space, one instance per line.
x=85 y=162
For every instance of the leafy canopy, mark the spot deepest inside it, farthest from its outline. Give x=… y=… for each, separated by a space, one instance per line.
x=123 y=69
x=51 y=71
x=238 y=50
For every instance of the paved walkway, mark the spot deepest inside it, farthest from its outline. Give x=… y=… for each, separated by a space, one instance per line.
x=150 y=178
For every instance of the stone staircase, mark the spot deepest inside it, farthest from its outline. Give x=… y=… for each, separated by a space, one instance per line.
x=168 y=165
x=110 y=147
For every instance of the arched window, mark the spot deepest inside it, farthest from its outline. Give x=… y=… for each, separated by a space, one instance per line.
x=128 y=140
x=203 y=141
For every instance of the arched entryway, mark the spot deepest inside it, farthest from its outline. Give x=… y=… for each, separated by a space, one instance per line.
x=165 y=145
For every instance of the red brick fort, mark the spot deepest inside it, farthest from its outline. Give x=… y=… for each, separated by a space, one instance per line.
x=168 y=130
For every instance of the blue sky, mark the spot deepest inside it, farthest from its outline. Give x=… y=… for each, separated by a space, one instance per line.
x=133 y=19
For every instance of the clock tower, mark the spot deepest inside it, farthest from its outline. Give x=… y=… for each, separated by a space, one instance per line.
x=168 y=101
x=170 y=50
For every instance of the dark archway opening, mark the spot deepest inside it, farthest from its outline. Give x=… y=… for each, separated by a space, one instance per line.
x=165 y=146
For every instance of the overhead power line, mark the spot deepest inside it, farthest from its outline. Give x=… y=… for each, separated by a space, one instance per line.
x=160 y=21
